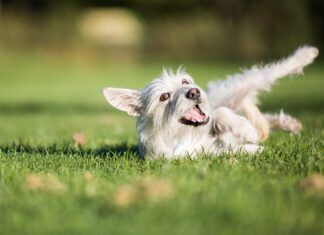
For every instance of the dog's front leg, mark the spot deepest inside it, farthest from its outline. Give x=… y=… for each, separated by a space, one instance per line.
x=233 y=130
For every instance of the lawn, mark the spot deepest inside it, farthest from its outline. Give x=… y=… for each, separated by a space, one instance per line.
x=50 y=185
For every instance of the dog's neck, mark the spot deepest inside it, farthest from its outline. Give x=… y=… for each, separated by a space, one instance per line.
x=171 y=141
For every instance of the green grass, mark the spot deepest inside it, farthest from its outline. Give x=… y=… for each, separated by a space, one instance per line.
x=44 y=101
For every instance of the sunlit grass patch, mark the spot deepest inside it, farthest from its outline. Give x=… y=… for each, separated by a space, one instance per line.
x=69 y=162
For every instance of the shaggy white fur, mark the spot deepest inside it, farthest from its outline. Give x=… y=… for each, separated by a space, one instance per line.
x=239 y=92
x=176 y=118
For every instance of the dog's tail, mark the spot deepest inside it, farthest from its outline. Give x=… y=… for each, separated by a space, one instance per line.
x=238 y=88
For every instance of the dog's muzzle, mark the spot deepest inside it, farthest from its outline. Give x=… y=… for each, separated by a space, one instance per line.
x=194 y=117
x=193 y=94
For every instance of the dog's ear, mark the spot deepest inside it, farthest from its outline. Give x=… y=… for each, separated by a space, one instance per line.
x=124 y=99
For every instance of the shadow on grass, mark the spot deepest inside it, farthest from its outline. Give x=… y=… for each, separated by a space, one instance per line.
x=104 y=151
x=51 y=107
x=293 y=105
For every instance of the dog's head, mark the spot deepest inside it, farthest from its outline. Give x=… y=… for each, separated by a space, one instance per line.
x=171 y=100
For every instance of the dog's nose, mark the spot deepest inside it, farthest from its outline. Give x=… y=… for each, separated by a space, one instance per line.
x=193 y=94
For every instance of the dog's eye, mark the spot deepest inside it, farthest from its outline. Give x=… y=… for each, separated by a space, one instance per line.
x=164 y=96
x=185 y=82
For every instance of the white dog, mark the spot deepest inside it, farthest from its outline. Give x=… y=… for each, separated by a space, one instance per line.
x=176 y=118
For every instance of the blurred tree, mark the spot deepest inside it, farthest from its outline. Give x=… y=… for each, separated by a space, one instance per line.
x=217 y=28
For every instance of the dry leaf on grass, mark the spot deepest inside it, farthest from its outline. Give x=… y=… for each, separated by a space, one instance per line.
x=54 y=184
x=79 y=139
x=45 y=183
x=34 y=182
x=155 y=189
x=313 y=184
x=147 y=189
x=88 y=177
x=125 y=196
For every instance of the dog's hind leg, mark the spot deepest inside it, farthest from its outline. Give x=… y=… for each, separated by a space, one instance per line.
x=238 y=88
x=265 y=121
x=239 y=92
x=258 y=120
x=283 y=122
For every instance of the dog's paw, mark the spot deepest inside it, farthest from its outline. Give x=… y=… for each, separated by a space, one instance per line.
x=311 y=53
x=306 y=54
x=252 y=148
x=290 y=124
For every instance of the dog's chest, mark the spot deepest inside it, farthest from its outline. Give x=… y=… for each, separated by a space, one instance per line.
x=192 y=146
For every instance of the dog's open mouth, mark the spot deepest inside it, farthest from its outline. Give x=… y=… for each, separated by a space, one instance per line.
x=194 y=117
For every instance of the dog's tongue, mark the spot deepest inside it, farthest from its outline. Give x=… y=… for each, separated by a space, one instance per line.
x=195 y=116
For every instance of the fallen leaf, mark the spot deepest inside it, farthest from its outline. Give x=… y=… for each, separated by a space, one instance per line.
x=45 y=183
x=155 y=189
x=53 y=184
x=147 y=189
x=125 y=196
x=79 y=139
x=34 y=182
x=313 y=184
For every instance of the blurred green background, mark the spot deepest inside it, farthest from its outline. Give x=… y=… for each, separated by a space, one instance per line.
x=56 y=56
x=185 y=29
